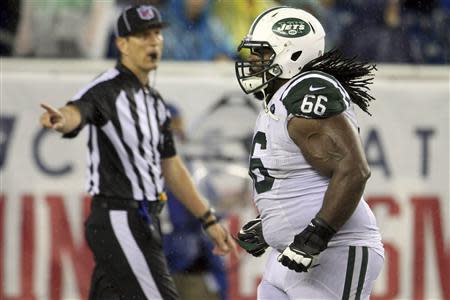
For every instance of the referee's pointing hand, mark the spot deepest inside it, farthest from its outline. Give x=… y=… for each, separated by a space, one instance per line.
x=52 y=118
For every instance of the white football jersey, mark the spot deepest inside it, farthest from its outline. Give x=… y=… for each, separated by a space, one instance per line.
x=288 y=192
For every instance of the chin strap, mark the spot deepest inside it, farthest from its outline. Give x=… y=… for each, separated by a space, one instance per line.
x=267 y=109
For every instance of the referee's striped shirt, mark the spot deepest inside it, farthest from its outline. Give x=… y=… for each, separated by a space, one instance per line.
x=128 y=135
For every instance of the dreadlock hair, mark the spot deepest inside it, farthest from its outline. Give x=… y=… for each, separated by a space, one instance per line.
x=354 y=76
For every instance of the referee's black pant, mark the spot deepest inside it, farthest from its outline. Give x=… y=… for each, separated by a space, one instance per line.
x=129 y=261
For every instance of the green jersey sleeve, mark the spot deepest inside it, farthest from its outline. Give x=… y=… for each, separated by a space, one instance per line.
x=315 y=95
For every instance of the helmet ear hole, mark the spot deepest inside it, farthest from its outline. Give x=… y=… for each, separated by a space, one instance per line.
x=296 y=55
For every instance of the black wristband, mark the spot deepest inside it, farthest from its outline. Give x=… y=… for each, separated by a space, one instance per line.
x=210 y=212
x=323 y=229
x=206 y=225
x=206 y=220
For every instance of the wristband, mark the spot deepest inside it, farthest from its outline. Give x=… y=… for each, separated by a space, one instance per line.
x=206 y=225
x=324 y=226
x=210 y=212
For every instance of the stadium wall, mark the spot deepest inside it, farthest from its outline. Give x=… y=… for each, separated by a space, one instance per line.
x=42 y=203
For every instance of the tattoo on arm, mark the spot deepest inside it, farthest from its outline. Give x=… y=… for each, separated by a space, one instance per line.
x=322 y=151
x=322 y=146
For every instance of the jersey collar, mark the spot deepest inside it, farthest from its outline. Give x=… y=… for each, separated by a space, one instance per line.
x=130 y=75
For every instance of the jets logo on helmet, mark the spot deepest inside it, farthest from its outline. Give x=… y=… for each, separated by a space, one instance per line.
x=284 y=39
x=291 y=27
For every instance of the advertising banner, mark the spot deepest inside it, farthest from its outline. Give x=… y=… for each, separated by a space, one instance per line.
x=43 y=254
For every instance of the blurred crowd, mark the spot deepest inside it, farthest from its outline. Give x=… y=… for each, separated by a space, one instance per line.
x=386 y=31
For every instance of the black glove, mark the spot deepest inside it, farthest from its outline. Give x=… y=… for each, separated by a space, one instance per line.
x=303 y=253
x=251 y=239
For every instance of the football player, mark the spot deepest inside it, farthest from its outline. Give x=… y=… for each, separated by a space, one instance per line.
x=307 y=163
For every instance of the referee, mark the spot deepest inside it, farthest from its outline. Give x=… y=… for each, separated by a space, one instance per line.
x=132 y=157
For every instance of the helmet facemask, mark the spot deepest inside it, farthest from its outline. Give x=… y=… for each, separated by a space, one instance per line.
x=256 y=72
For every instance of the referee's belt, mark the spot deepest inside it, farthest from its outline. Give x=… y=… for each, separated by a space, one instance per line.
x=113 y=203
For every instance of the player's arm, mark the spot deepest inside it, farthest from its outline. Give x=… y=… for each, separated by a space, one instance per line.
x=65 y=120
x=180 y=183
x=333 y=148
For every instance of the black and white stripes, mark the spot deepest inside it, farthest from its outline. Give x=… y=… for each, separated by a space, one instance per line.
x=126 y=130
x=134 y=254
x=355 y=275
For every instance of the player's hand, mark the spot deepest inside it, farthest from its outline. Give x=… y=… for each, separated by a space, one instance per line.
x=52 y=118
x=251 y=238
x=303 y=253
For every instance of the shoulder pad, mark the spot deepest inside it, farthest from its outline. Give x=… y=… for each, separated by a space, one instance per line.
x=315 y=95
